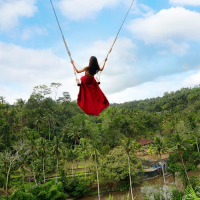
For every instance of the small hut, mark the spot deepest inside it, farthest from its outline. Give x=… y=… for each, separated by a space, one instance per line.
x=145 y=142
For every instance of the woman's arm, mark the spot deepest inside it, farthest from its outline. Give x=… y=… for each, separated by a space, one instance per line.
x=78 y=71
x=101 y=69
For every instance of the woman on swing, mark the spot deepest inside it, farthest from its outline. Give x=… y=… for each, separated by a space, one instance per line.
x=90 y=98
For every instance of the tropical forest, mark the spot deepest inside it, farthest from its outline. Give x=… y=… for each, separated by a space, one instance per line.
x=142 y=150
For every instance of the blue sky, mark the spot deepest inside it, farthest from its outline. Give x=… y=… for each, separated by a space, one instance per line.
x=157 y=50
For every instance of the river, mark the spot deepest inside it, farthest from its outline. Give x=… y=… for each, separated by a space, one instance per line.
x=145 y=186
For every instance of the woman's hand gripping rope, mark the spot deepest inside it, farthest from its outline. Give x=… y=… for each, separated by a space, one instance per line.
x=75 y=71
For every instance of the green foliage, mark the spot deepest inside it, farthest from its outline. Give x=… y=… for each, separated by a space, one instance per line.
x=115 y=165
x=77 y=187
x=195 y=182
x=190 y=193
x=21 y=195
x=2 y=180
x=56 y=135
x=176 y=194
x=49 y=191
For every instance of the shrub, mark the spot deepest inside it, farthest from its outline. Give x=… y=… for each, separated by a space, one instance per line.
x=49 y=191
x=78 y=187
x=21 y=195
x=2 y=180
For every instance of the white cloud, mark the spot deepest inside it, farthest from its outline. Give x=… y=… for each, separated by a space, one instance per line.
x=30 y=32
x=22 y=69
x=143 y=10
x=177 y=48
x=80 y=9
x=158 y=87
x=12 y=10
x=117 y=74
x=185 y=2
x=192 y=80
x=170 y=27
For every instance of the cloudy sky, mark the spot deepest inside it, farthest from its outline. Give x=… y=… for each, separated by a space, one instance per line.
x=157 y=50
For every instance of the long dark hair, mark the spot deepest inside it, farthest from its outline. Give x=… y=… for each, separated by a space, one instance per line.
x=93 y=67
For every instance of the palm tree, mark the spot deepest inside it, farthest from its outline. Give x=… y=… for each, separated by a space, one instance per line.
x=42 y=151
x=95 y=157
x=72 y=155
x=84 y=145
x=64 y=158
x=33 y=156
x=194 y=127
x=57 y=151
x=128 y=148
x=1 y=142
x=74 y=133
x=158 y=145
x=179 y=143
x=38 y=121
x=196 y=135
x=19 y=106
x=23 y=166
x=173 y=166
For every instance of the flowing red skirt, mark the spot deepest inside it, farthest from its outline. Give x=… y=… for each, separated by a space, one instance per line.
x=90 y=98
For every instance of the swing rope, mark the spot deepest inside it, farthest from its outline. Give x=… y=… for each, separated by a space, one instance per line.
x=110 y=48
x=120 y=29
x=64 y=39
x=98 y=75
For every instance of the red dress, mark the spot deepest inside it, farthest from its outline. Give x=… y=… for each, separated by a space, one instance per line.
x=90 y=98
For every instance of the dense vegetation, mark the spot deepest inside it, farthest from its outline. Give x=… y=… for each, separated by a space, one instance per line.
x=49 y=149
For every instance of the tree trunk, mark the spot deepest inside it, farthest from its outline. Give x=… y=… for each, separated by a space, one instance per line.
x=174 y=178
x=163 y=173
x=185 y=168
x=43 y=169
x=57 y=171
x=85 y=168
x=98 y=181
x=8 y=178
x=197 y=146
x=21 y=117
x=130 y=178
x=24 y=175
x=72 y=168
x=38 y=129
x=49 y=132
x=34 y=177
x=77 y=165
x=65 y=166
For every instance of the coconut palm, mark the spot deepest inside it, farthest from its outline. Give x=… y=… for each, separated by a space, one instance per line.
x=196 y=135
x=127 y=144
x=72 y=155
x=48 y=118
x=23 y=166
x=57 y=151
x=64 y=157
x=1 y=142
x=85 y=149
x=179 y=143
x=193 y=122
x=95 y=155
x=42 y=152
x=158 y=145
x=33 y=153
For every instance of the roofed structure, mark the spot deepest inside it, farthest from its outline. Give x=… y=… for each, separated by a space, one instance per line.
x=145 y=141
